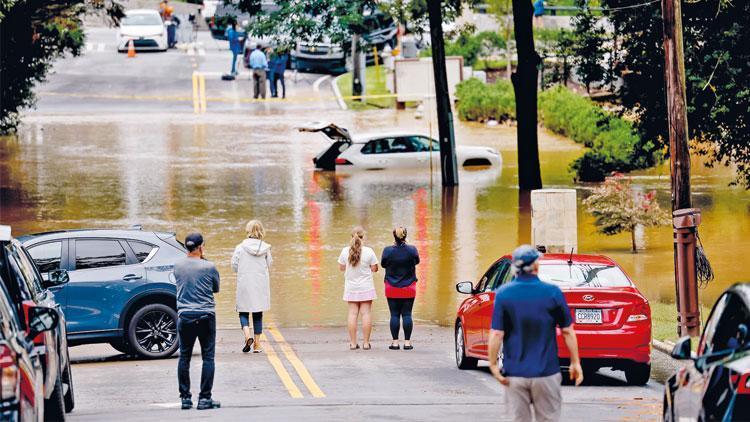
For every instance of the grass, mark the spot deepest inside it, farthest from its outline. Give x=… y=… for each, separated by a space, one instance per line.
x=664 y=320
x=374 y=85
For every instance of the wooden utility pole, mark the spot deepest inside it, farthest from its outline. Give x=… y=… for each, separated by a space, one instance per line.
x=684 y=218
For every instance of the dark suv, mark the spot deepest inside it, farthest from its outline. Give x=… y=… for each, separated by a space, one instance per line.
x=121 y=287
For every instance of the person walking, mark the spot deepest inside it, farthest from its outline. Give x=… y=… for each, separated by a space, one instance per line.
x=251 y=261
x=400 y=261
x=524 y=320
x=197 y=281
x=259 y=64
x=358 y=262
x=235 y=44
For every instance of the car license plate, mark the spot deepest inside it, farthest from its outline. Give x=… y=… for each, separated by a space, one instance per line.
x=588 y=316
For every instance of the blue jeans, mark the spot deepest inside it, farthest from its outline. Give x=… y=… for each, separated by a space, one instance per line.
x=234 y=62
x=257 y=321
x=192 y=326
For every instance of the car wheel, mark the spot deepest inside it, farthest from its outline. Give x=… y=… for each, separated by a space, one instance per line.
x=122 y=347
x=463 y=361
x=54 y=407
x=152 y=332
x=70 y=399
x=638 y=373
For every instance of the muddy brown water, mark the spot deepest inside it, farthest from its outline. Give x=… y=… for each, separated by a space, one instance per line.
x=212 y=174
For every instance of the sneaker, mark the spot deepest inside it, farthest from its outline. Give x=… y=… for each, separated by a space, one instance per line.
x=208 y=404
x=187 y=403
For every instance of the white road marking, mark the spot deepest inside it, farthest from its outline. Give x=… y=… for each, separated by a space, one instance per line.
x=201 y=51
x=167 y=405
x=316 y=84
x=191 y=51
x=100 y=47
x=89 y=46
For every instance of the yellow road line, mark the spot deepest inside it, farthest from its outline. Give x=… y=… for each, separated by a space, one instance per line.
x=286 y=379
x=196 y=100
x=202 y=83
x=310 y=383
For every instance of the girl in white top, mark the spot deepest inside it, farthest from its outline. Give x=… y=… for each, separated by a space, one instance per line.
x=358 y=262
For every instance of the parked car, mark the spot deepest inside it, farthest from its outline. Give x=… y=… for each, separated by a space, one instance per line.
x=379 y=151
x=26 y=288
x=21 y=374
x=121 y=289
x=716 y=385
x=145 y=28
x=611 y=317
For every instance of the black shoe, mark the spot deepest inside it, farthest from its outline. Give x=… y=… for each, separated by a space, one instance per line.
x=187 y=403
x=204 y=404
x=248 y=345
x=394 y=347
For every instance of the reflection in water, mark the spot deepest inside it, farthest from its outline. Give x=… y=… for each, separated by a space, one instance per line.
x=182 y=176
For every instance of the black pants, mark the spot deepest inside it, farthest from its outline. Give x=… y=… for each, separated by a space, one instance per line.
x=401 y=309
x=257 y=321
x=201 y=326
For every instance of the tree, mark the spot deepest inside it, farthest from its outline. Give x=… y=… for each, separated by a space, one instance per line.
x=618 y=208
x=716 y=33
x=588 y=46
x=557 y=44
x=32 y=35
x=503 y=12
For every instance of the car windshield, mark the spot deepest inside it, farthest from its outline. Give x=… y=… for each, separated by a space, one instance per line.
x=141 y=19
x=583 y=275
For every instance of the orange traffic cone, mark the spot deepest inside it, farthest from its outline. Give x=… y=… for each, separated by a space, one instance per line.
x=131 y=49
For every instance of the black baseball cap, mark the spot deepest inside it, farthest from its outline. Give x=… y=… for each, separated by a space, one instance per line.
x=193 y=241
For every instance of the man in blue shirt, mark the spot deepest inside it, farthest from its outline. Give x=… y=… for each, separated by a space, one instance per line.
x=259 y=64
x=527 y=312
x=235 y=44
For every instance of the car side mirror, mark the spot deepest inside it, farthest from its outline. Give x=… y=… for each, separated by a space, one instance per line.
x=465 y=287
x=42 y=319
x=682 y=349
x=57 y=278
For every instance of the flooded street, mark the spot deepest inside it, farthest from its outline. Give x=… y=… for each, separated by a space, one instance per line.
x=214 y=172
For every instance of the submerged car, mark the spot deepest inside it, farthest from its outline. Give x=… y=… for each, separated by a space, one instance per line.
x=380 y=151
x=145 y=28
x=121 y=287
x=716 y=386
x=612 y=319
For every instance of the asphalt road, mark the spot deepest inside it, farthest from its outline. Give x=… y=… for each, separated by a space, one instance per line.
x=327 y=382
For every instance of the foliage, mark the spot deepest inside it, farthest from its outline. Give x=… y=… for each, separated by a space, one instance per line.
x=472 y=46
x=482 y=102
x=555 y=48
x=716 y=33
x=619 y=208
x=587 y=49
x=32 y=35
x=503 y=12
x=375 y=80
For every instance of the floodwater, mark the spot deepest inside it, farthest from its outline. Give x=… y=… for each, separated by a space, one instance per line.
x=214 y=173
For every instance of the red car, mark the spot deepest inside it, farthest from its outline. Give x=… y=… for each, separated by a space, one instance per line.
x=611 y=317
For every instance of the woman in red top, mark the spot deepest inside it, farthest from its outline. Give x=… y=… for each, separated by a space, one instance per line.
x=400 y=261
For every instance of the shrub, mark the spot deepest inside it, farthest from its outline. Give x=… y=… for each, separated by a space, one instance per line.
x=481 y=102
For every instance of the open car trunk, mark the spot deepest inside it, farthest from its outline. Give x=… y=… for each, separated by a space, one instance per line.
x=340 y=138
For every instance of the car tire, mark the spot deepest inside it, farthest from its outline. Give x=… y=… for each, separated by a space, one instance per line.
x=70 y=399
x=122 y=347
x=638 y=373
x=462 y=361
x=152 y=332
x=54 y=407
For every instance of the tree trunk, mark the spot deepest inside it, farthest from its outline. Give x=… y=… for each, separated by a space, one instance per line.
x=358 y=82
x=525 y=80
x=632 y=240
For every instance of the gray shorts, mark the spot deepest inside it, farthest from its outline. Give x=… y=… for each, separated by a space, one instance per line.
x=543 y=394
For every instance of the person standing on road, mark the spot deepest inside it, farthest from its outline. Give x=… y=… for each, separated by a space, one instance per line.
x=358 y=262
x=259 y=64
x=278 y=66
x=251 y=261
x=400 y=262
x=197 y=281
x=235 y=44
x=524 y=320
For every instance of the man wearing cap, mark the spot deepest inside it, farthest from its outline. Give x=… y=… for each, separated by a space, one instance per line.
x=527 y=312
x=197 y=281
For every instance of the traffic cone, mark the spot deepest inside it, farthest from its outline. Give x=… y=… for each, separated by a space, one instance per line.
x=131 y=49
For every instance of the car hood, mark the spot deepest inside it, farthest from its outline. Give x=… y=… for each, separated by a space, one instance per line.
x=141 y=30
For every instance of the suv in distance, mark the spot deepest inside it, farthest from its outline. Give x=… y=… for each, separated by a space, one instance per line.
x=121 y=287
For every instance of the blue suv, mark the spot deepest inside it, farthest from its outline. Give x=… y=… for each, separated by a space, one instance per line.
x=121 y=287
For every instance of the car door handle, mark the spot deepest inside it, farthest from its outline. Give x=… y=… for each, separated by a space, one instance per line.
x=131 y=277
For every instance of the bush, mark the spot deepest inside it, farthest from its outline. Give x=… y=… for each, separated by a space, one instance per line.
x=481 y=102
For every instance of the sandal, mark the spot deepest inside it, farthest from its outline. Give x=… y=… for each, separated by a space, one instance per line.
x=248 y=345
x=368 y=347
x=409 y=347
x=395 y=347
x=353 y=347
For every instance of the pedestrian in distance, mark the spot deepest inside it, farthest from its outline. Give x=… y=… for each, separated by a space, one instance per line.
x=270 y=57
x=259 y=65
x=197 y=281
x=400 y=261
x=252 y=261
x=524 y=320
x=278 y=67
x=358 y=262
x=235 y=44
x=538 y=13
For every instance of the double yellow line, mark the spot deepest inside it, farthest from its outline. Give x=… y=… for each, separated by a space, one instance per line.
x=199 y=92
x=299 y=367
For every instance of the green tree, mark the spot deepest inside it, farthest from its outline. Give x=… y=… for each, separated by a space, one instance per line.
x=588 y=47
x=32 y=35
x=717 y=62
x=503 y=12
x=556 y=46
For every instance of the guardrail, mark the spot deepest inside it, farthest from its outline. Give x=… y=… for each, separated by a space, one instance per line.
x=548 y=10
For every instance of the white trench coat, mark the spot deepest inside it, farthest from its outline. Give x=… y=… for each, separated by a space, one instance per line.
x=251 y=261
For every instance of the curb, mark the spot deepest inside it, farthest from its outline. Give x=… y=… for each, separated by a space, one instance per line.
x=337 y=92
x=663 y=346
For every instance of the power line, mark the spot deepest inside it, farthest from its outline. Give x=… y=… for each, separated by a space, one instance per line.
x=632 y=6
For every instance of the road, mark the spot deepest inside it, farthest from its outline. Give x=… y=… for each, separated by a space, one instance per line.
x=335 y=384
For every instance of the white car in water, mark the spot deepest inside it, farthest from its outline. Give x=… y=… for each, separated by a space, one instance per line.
x=145 y=28
x=378 y=151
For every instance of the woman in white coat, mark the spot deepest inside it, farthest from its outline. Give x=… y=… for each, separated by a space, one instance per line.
x=251 y=261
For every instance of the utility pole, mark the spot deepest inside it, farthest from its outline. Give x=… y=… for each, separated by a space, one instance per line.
x=358 y=87
x=685 y=219
x=448 y=166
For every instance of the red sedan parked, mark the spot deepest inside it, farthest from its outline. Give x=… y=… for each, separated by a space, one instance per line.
x=611 y=317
